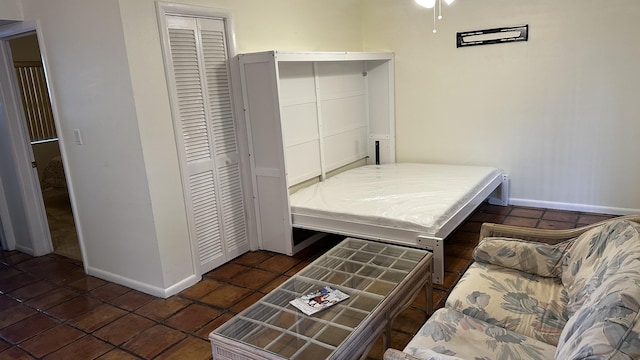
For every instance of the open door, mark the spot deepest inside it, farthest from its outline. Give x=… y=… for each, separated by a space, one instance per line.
x=38 y=209
x=45 y=147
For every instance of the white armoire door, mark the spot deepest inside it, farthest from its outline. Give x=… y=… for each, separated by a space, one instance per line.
x=206 y=136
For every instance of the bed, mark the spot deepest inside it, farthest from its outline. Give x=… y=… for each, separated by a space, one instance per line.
x=312 y=115
x=411 y=204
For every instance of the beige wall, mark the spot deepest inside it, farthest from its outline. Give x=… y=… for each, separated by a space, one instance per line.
x=300 y=25
x=559 y=113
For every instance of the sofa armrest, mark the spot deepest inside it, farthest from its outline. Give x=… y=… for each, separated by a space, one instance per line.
x=529 y=234
x=536 y=251
x=531 y=257
x=541 y=235
x=393 y=354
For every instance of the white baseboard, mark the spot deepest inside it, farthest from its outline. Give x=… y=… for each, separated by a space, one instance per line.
x=573 y=207
x=24 y=249
x=181 y=285
x=143 y=287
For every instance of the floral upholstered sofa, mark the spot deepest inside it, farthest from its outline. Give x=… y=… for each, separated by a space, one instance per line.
x=524 y=298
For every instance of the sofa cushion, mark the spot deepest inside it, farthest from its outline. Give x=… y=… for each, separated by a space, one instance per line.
x=535 y=258
x=527 y=304
x=603 y=281
x=449 y=334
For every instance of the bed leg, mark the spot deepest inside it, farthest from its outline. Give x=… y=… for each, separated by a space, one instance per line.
x=436 y=246
x=438 y=262
x=501 y=195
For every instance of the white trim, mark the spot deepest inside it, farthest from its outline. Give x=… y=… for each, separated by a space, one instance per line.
x=144 y=287
x=192 y=10
x=319 y=124
x=242 y=135
x=16 y=29
x=392 y=108
x=7 y=236
x=162 y=13
x=330 y=56
x=24 y=249
x=185 y=283
x=573 y=207
x=253 y=171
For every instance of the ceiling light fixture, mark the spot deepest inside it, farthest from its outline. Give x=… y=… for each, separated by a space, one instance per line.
x=431 y=4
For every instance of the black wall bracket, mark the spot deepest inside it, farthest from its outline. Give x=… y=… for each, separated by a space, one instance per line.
x=493 y=36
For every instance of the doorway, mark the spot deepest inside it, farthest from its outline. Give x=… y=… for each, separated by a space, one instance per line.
x=44 y=144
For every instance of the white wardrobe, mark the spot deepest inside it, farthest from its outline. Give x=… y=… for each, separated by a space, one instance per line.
x=309 y=113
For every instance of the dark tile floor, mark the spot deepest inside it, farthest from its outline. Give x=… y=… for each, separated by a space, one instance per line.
x=50 y=309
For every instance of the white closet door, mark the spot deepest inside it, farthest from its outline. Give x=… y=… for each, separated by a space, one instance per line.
x=210 y=159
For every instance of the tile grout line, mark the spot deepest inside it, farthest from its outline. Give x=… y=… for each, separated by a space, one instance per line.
x=68 y=322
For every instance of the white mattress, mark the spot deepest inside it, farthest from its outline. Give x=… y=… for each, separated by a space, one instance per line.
x=415 y=197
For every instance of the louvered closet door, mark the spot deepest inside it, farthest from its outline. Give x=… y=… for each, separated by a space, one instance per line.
x=210 y=159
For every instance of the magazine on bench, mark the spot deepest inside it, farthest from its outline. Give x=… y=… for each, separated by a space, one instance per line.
x=318 y=300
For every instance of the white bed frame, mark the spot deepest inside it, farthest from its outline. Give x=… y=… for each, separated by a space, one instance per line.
x=310 y=113
x=496 y=191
